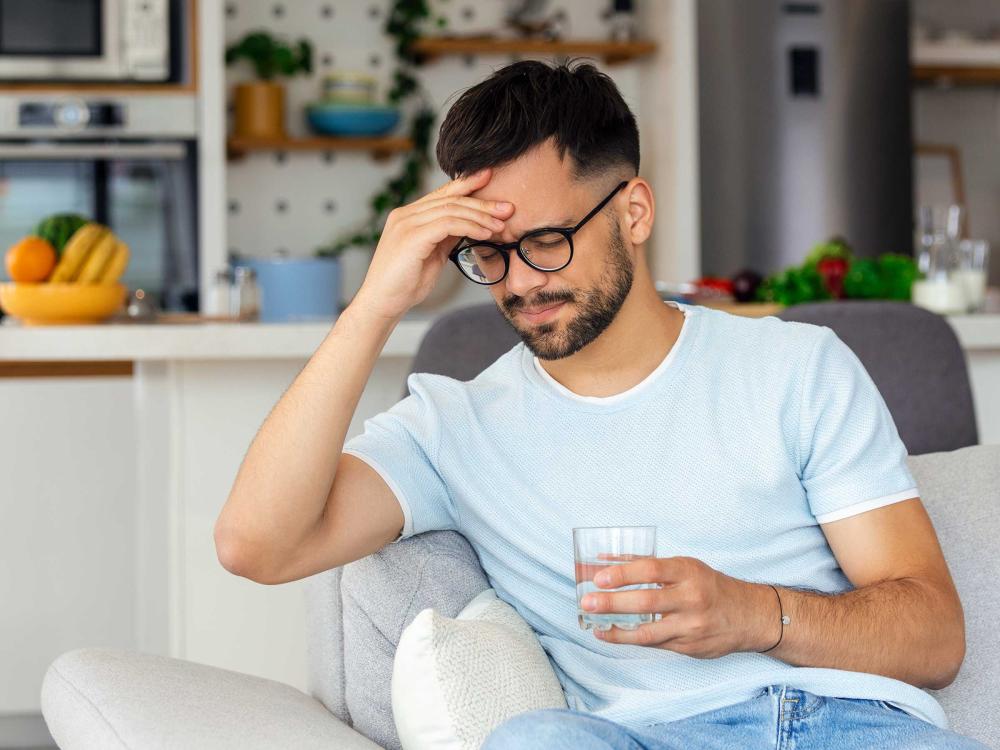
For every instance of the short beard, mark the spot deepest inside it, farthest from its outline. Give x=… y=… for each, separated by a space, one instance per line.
x=598 y=307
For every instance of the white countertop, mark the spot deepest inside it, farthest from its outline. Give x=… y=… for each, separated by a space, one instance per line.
x=205 y=341
x=213 y=341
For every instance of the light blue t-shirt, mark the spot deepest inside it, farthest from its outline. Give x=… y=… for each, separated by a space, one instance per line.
x=747 y=436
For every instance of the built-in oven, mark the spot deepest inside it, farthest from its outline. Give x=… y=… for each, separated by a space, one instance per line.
x=129 y=162
x=92 y=40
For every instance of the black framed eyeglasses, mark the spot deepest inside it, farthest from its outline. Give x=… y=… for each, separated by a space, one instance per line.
x=546 y=249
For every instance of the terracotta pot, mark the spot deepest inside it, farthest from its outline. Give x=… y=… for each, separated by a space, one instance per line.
x=260 y=110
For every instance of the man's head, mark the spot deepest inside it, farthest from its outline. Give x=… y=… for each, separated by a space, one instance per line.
x=558 y=139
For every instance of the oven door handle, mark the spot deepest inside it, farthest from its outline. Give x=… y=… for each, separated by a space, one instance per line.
x=63 y=150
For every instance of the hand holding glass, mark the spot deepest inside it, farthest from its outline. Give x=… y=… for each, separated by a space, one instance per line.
x=599 y=547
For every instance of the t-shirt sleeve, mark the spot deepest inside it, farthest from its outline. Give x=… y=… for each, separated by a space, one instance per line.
x=401 y=445
x=851 y=458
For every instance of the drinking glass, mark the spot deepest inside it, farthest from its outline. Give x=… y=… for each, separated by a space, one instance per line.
x=598 y=547
x=941 y=291
x=973 y=268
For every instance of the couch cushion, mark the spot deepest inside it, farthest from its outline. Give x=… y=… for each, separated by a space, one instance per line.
x=123 y=700
x=961 y=491
x=325 y=641
x=382 y=594
x=456 y=680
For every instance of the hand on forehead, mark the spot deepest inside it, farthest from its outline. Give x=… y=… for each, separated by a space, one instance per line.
x=539 y=186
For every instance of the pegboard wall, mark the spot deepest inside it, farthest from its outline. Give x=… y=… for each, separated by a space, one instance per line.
x=291 y=203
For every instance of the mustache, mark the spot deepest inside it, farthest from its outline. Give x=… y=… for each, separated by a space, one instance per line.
x=513 y=303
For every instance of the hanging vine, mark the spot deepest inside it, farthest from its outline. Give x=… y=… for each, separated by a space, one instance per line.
x=403 y=23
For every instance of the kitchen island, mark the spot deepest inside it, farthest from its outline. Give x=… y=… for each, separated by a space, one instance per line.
x=114 y=480
x=123 y=441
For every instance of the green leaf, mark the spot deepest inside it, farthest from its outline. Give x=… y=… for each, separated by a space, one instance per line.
x=897 y=272
x=305 y=55
x=271 y=56
x=863 y=280
x=793 y=286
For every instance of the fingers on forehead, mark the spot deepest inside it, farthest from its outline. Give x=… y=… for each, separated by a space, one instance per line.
x=465 y=183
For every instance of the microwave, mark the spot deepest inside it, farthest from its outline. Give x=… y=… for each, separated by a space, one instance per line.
x=85 y=40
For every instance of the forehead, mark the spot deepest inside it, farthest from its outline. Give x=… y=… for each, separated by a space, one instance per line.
x=538 y=183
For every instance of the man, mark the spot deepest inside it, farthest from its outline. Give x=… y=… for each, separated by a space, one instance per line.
x=803 y=595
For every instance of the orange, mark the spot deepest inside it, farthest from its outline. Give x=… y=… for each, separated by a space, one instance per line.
x=30 y=259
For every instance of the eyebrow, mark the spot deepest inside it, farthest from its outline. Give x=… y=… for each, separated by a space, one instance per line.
x=564 y=224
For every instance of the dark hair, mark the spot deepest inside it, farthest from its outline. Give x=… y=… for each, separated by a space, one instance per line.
x=527 y=102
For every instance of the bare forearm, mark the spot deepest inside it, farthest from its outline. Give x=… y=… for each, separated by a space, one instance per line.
x=283 y=483
x=908 y=628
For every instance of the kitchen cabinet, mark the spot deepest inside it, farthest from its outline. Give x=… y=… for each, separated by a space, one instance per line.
x=112 y=486
x=68 y=530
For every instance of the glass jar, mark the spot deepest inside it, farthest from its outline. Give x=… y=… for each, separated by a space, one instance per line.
x=244 y=301
x=941 y=290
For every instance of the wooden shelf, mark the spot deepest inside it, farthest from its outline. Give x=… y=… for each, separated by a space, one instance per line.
x=381 y=147
x=957 y=74
x=430 y=48
x=47 y=369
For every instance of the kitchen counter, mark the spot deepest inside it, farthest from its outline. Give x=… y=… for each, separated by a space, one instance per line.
x=271 y=341
x=205 y=341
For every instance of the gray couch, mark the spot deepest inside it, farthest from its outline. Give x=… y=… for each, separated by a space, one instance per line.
x=98 y=698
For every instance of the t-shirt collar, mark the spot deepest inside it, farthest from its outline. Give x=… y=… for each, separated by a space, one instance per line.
x=631 y=393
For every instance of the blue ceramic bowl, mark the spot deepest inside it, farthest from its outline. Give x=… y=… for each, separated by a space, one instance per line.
x=297 y=289
x=351 y=119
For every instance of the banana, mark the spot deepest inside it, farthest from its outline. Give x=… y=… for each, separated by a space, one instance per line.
x=76 y=250
x=101 y=253
x=116 y=266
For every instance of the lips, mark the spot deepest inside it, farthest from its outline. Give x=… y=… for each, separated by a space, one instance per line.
x=539 y=314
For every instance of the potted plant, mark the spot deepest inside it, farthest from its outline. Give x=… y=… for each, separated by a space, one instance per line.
x=260 y=104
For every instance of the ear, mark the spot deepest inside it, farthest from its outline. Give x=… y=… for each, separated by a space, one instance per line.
x=639 y=211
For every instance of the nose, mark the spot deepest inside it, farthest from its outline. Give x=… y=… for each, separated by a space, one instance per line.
x=522 y=279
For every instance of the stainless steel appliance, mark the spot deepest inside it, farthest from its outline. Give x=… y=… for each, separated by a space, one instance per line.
x=125 y=161
x=99 y=40
x=804 y=128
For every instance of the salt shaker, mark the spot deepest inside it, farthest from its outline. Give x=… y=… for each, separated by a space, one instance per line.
x=218 y=303
x=244 y=300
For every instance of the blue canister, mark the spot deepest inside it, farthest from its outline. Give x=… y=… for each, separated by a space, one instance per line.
x=296 y=289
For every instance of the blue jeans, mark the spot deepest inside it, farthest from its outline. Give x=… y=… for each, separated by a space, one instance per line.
x=778 y=717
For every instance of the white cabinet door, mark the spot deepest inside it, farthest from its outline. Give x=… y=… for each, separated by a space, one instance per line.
x=67 y=525
x=212 y=410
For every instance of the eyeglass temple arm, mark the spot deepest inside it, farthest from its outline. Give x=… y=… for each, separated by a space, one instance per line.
x=600 y=205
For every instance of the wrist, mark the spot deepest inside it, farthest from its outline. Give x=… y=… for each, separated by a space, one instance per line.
x=364 y=329
x=764 y=618
x=365 y=311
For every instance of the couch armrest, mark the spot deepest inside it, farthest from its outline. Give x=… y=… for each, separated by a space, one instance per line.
x=124 y=700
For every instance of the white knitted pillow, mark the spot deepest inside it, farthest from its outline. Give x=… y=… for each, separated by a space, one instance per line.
x=454 y=681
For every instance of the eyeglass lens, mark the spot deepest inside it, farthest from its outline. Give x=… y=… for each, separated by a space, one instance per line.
x=546 y=251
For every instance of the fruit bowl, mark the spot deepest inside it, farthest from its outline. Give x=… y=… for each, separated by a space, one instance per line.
x=61 y=304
